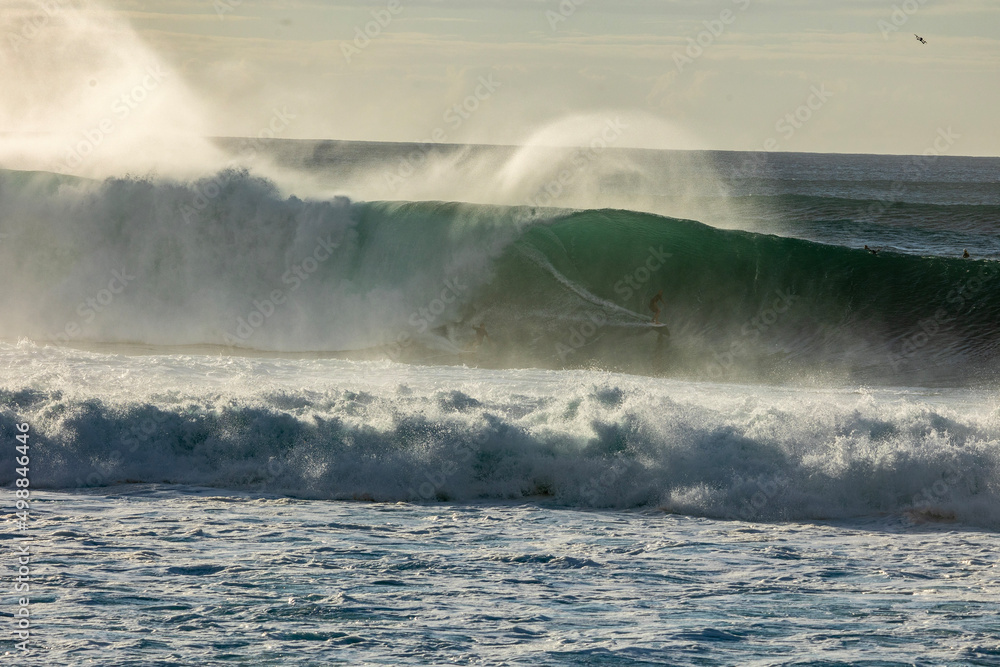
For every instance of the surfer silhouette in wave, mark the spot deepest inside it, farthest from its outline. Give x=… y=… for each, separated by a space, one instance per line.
x=654 y=306
x=481 y=335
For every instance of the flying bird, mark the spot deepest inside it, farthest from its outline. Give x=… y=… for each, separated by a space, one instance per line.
x=920 y=39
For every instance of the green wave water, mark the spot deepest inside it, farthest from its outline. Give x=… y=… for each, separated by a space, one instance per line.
x=230 y=261
x=740 y=305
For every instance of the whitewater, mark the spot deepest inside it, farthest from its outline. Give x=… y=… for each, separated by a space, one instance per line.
x=319 y=423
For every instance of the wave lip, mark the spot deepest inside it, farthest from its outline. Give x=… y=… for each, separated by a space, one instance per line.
x=162 y=263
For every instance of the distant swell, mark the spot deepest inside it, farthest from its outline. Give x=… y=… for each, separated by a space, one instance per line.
x=231 y=261
x=890 y=210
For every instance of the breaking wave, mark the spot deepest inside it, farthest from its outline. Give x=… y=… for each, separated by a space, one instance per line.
x=576 y=439
x=230 y=261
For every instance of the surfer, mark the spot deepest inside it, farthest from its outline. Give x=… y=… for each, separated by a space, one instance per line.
x=965 y=255
x=654 y=306
x=872 y=250
x=481 y=335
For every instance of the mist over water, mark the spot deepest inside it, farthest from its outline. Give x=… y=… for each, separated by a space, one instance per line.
x=128 y=224
x=591 y=395
x=156 y=233
x=126 y=228
x=84 y=95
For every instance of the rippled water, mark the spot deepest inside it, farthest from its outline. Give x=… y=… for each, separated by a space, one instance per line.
x=144 y=575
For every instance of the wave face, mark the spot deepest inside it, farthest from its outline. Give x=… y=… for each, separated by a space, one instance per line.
x=230 y=261
x=371 y=430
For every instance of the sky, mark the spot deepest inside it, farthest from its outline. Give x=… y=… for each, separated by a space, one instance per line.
x=790 y=75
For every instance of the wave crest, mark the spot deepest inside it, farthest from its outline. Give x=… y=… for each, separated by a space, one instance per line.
x=231 y=261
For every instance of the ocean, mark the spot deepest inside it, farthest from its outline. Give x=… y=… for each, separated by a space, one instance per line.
x=365 y=403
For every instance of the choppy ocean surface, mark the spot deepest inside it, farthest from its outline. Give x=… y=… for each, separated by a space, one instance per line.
x=400 y=427
x=161 y=575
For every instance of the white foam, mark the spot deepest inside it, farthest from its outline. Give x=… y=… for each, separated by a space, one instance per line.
x=335 y=429
x=229 y=260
